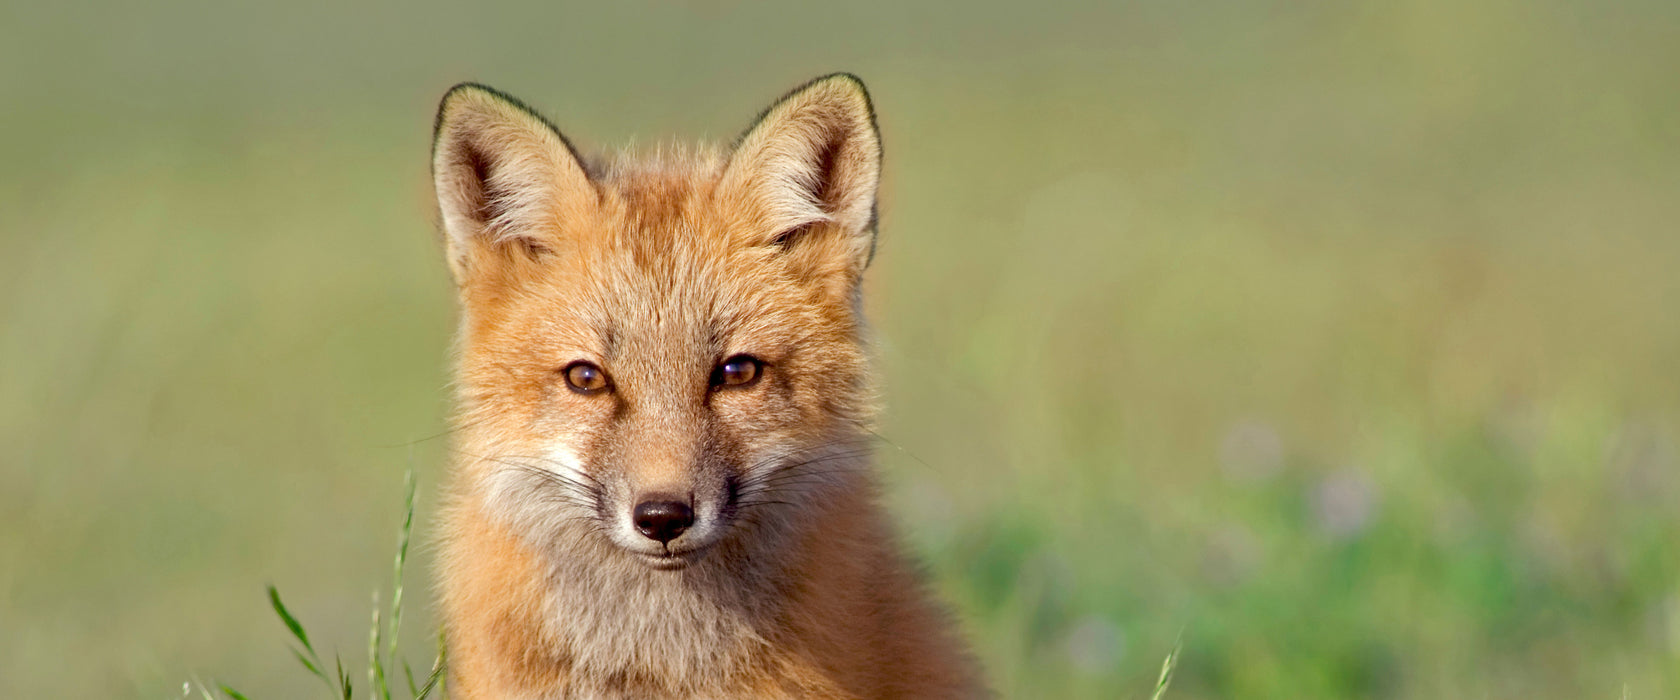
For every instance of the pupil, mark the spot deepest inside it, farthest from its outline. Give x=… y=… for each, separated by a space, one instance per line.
x=740 y=372
x=585 y=377
x=735 y=371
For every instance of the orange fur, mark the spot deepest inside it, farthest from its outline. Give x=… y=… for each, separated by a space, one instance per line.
x=788 y=583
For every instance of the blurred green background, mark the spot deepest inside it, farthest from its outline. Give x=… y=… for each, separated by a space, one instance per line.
x=1342 y=339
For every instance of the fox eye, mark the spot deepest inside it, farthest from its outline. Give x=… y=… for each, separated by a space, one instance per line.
x=737 y=371
x=585 y=378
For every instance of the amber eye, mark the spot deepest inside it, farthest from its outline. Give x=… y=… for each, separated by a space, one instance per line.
x=585 y=378
x=737 y=371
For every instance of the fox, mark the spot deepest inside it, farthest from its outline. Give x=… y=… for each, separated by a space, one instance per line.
x=660 y=484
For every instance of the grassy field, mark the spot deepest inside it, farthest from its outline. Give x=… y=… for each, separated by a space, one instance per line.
x=1342 y=343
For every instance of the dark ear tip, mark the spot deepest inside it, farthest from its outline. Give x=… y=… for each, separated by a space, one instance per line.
x=460 y=90
x=851 y=83
x=842 y=76
x=849 y=79
x=464 y=86
x=455 y=92
x=856 y=84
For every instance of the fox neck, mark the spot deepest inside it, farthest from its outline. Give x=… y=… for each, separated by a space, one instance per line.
x=615 y=616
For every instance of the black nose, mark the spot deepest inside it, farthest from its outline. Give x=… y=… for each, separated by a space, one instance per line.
x=663 y=520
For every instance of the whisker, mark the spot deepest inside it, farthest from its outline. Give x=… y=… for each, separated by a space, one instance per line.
x=763 y=503
x=550 y=460
x=806 y=451
x=805 y=468
x=564 y=489
x=450 y=431
x=899 y=448
x=797 y=465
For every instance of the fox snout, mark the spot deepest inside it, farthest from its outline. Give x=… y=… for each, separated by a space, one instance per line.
x=666 y=495
x=663 y=518
x=663 y=500
x=668 y=531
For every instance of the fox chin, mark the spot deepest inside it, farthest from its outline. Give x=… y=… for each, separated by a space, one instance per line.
x=662 y=484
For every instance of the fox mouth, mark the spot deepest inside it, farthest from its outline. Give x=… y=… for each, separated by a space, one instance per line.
x=670 y=560
x=666 y=562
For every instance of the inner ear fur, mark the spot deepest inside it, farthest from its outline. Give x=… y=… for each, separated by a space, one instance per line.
x=810 y=165
x=506 y=180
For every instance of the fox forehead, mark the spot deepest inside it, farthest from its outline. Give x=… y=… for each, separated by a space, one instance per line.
x=658 y=252
x=653 y=278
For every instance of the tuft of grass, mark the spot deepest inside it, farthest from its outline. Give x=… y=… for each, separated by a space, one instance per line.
x=383 y=634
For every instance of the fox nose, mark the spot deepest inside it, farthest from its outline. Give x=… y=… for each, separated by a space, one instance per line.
x=663 y=520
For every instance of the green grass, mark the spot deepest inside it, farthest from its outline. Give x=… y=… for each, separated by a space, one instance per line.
x=385 y=629
x=1339 y=339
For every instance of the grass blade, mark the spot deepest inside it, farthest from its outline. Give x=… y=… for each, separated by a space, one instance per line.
x=376 y=667
x=204 y=690
x=344 y=679
x=432 y=682
x=312 y=668
x=1167 y=667
x=408 y=672
x=401 y=559
x=301 y=636
x=291 y=622
x=435 y=680
x=236 y=695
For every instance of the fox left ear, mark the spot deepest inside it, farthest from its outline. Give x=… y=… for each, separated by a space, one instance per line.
x=508 y=184
x=806 y=174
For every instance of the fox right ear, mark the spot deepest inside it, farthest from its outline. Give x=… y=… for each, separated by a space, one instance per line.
x=507 y=181
x=804 y=179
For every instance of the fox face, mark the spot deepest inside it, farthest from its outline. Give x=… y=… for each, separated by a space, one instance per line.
x=659 y=356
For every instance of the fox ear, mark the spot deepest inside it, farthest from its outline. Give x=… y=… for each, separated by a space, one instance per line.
x=506 y=180
x=805 y=175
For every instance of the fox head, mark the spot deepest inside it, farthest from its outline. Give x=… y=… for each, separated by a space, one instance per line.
x=658 y=355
